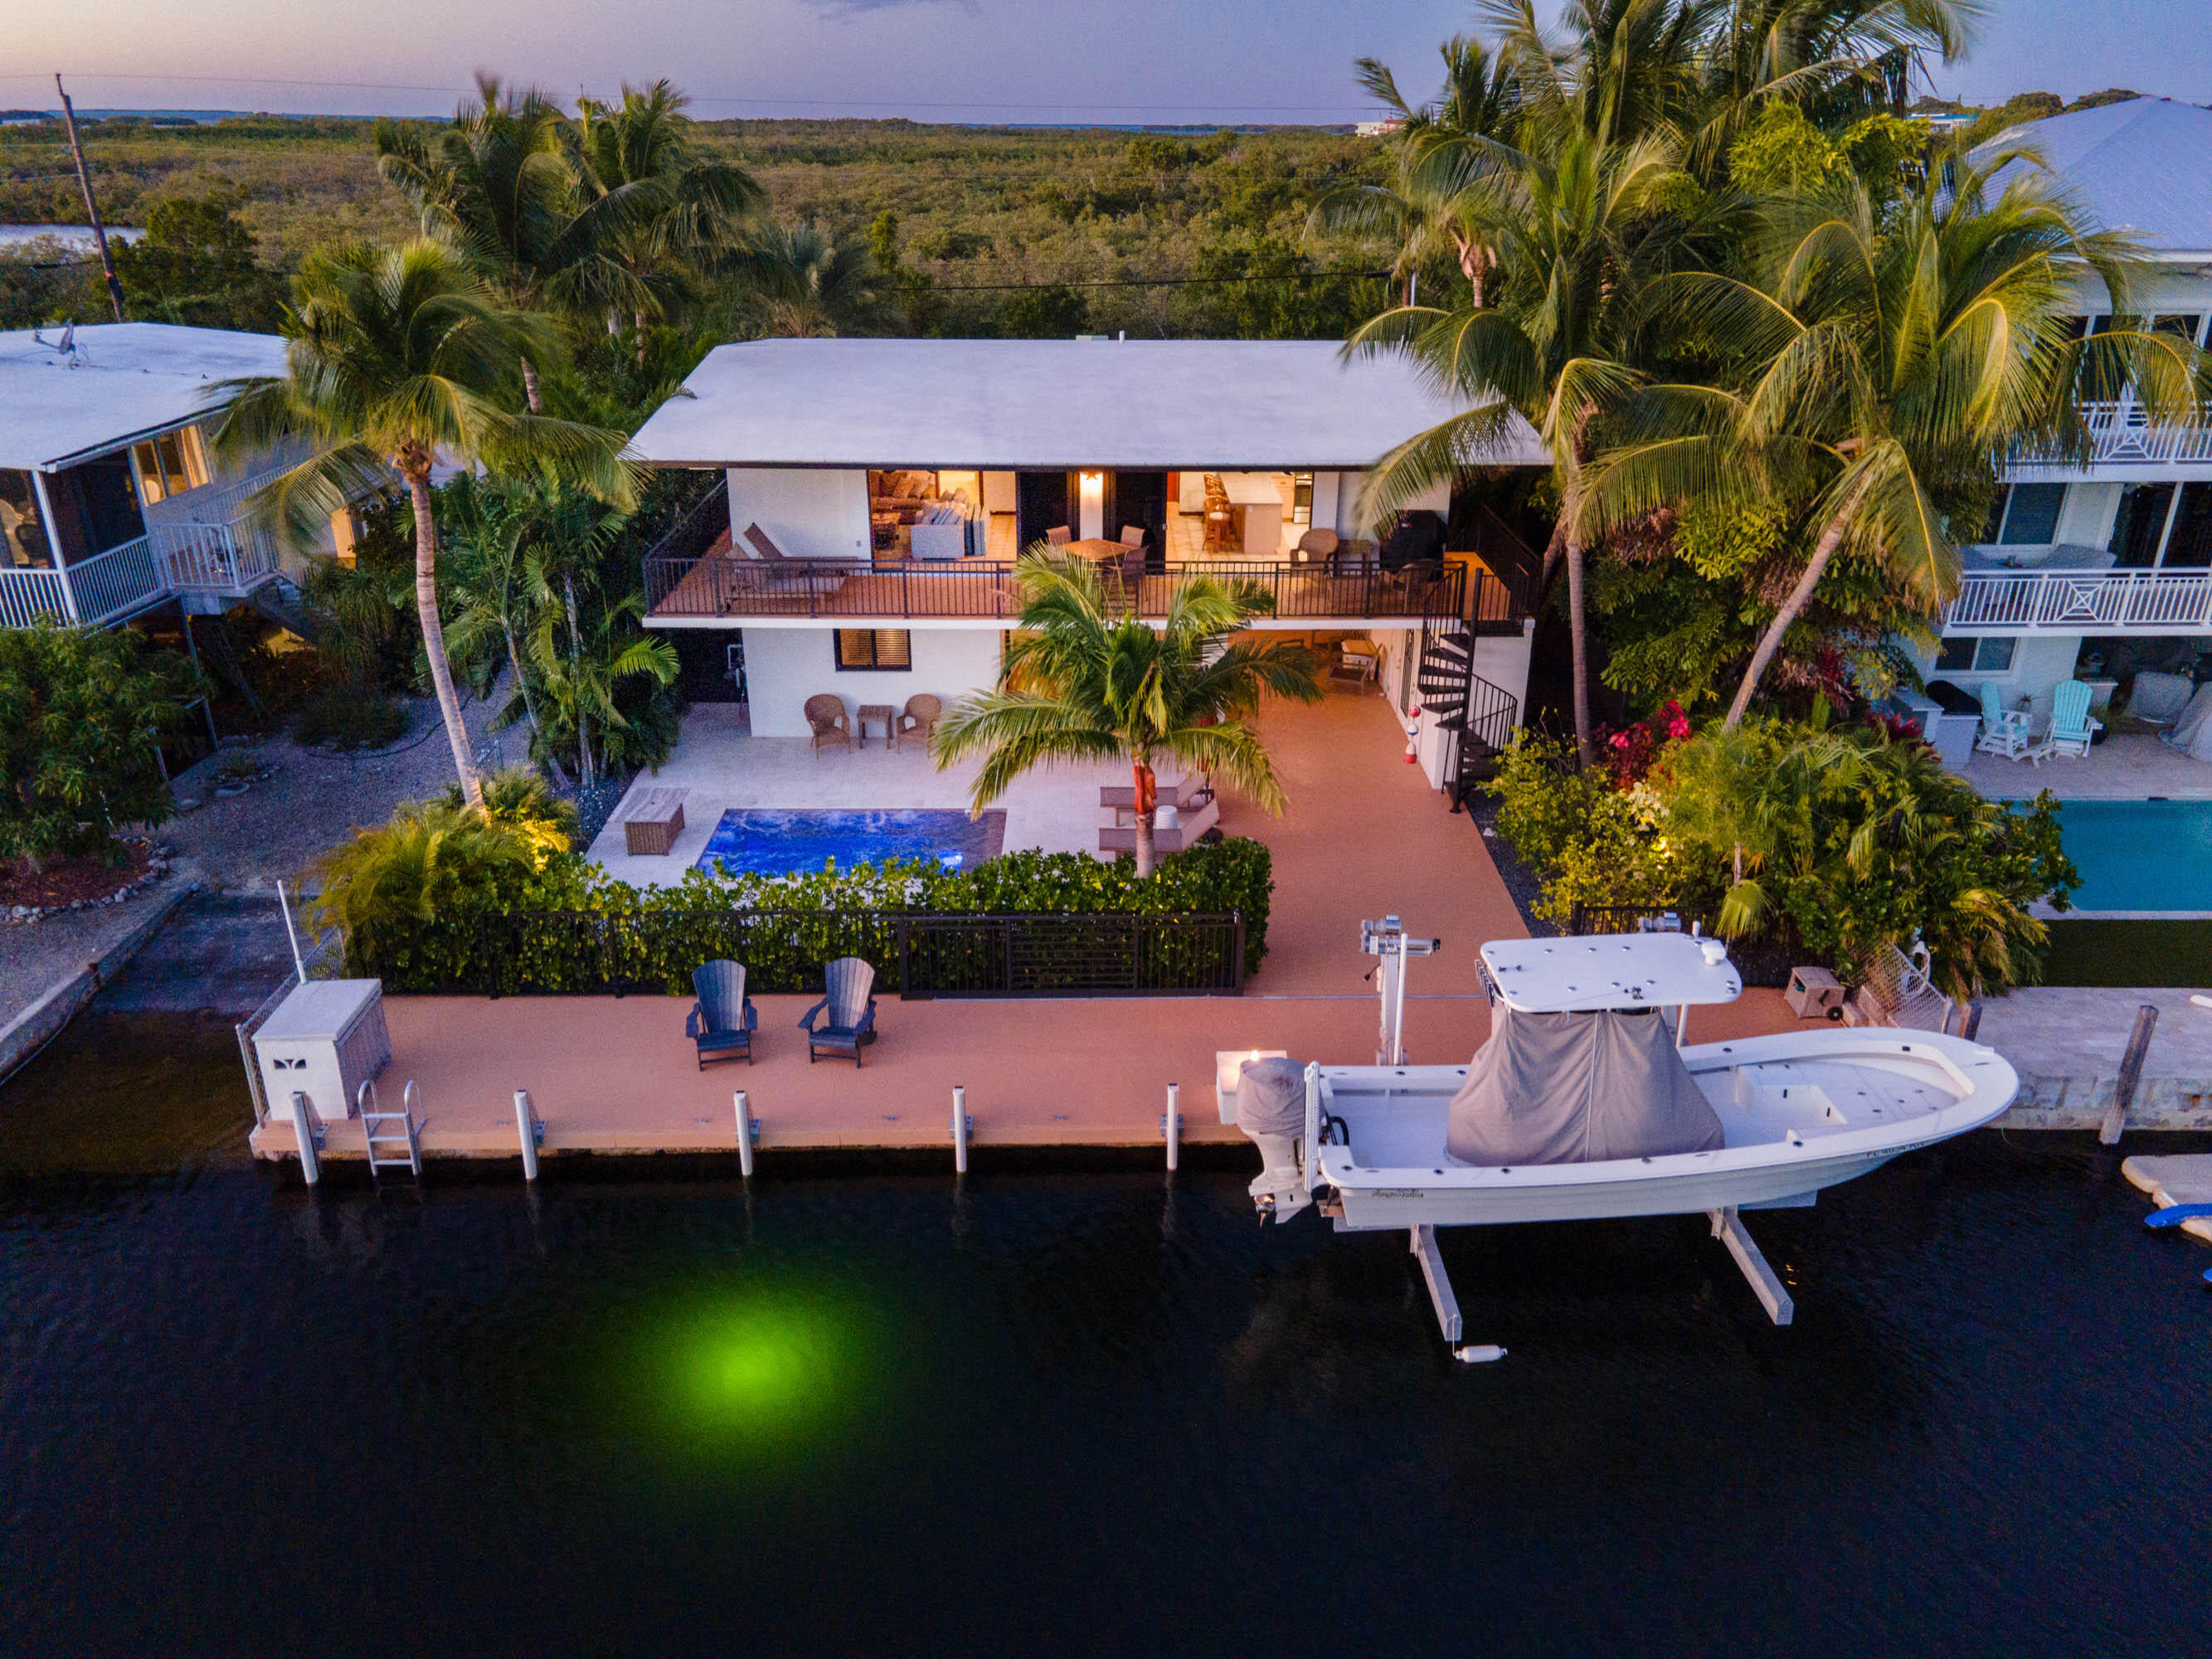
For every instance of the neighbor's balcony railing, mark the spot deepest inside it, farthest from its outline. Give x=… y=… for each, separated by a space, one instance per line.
x=206 y=542
x=718 y=586
x=2105 y=601
x=28 y=595
x=96 y=590
x=2121 y=434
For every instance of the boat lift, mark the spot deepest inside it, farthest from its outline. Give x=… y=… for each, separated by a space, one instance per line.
x=1388 y=940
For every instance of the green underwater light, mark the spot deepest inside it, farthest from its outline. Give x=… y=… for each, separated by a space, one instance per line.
x=763 y=1365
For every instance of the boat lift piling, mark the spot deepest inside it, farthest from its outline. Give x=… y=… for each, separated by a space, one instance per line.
x=310 y=1137
x=529 y=1131
x=2123 y=1086
x=962 y=1126
x=748 y=1127
x=1172 y=1123
x=1423 y=1244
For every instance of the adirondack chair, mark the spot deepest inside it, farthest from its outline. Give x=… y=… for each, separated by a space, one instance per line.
x=722 y=1021
x=2004 y=731
x=849 y=1008
x=2073 y=727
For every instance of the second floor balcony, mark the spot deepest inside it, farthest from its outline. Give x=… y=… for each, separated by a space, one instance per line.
x=2079 y=601
x=2123 y=437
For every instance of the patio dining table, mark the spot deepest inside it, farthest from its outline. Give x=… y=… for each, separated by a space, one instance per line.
x=1096 y=547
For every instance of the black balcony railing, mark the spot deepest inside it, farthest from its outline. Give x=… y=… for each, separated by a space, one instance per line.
x=680 y=584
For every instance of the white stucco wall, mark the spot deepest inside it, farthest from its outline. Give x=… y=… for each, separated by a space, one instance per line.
x=2039 y=663
x=785 y=666
x=810 y=513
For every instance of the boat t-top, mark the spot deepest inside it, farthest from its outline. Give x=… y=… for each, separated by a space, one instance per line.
x=1583 y=1103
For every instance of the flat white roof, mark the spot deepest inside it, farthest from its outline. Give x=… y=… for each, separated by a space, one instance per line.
x=122 y=380
x=1230 y=405
x=1610 y=971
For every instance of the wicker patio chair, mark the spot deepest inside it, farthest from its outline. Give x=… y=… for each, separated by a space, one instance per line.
x=850 y=1010
x=920 y=717
x=825 y=718
x=722 y=1021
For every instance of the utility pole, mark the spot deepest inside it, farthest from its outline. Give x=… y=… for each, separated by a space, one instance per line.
x=91 y=208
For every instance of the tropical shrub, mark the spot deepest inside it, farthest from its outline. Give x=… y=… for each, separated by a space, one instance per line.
x=1588 y=840
x=80 y=740
x=570 y=927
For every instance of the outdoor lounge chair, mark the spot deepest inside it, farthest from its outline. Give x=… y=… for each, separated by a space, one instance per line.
x=825 y=718
x=1059 y=534
x=851 y=1011
x=2073 y=728
x=918 y=718
x=2004 y=731
x=722 y=1021
x=787 y=575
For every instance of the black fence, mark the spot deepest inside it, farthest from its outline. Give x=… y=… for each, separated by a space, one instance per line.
x=919 y=956
x=1761 y=962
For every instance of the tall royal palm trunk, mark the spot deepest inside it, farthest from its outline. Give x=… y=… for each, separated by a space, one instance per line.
x=1148 y=801
x=530 y=387
x=587 y=775
x=1792 y=607
x=1579 y=634
x=522 y=681
x=416 y=471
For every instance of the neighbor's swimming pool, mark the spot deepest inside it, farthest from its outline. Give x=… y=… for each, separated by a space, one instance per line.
x=774 y=841
x=2139 y=854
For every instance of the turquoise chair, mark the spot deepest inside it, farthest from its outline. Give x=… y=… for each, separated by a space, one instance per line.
x=2004 y=731
x=2073 y=728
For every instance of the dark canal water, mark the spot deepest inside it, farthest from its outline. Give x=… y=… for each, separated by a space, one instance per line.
x=1054 y=1413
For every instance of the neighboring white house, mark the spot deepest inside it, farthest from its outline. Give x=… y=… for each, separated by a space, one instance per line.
x=112 y=502
x=2097 y=570
x=879 y=491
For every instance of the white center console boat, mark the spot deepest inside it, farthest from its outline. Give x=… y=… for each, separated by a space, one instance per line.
x=1582 y=1104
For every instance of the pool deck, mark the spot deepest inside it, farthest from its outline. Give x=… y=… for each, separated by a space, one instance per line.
x=1364 y=836
x=2126 y=766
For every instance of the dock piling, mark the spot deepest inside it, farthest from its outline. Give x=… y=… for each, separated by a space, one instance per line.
x=745 y=1128
x=303 y=1127
x=1172 y=1123
x=2123 y=1086
x=961 y=1126
x=527 y=1130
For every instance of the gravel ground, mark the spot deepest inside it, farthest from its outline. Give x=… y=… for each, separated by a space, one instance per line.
x=316 y=801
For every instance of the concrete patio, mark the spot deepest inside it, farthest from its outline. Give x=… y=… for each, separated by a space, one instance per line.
x=2126 y=766
x=721 y=767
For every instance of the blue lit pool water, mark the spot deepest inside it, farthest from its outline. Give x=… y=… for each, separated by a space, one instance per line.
x=772 y=841
x=2139 y=854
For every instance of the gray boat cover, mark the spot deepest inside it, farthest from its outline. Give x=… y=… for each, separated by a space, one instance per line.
x=1271 y=1097
x=1578 y=1088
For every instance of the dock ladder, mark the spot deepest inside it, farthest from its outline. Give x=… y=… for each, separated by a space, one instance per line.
x=395 y=1138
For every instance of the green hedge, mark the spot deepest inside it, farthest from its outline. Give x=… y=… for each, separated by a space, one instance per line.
x=576 y=929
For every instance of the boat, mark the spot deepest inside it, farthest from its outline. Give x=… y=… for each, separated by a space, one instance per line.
x=1584 y=1104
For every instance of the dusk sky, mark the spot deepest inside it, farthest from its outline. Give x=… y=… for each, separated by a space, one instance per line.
x=1133 y=61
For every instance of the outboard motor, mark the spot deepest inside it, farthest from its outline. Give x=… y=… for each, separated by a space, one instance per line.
x=1271 y=1109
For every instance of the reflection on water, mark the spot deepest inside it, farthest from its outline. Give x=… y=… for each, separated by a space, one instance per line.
x=1059 y=1413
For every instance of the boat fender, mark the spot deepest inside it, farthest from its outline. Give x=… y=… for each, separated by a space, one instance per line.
x=1483 y=1353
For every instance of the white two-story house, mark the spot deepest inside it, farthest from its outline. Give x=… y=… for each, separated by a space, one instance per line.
x=875 y=494
x=113 y=504
x=2095 y=571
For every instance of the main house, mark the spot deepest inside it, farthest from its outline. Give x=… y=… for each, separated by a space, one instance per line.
x=113 y=505
x=877 y=492
x=2095 y=570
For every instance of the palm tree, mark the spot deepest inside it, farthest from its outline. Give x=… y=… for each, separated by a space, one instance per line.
x=1079 y=685
x=1560 y=347
x=665 y=210
x=493 y=185
x=580 y=660
x=489 y=583
x=813 y=287
x=398 y=359
x=1879 y=364
x=1422 y=208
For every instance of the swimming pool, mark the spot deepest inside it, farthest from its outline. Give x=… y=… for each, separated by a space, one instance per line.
x=769 y=841
x=2139 y=854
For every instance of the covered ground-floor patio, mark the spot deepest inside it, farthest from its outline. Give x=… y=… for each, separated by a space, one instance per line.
x=2125 y=766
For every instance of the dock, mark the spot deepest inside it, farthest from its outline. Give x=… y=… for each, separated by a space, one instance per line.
x=2177 y=1178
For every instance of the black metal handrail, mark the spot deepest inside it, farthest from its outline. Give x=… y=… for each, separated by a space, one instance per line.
x=692 y=586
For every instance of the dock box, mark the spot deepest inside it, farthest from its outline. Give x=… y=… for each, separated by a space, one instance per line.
x=325 y=1041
